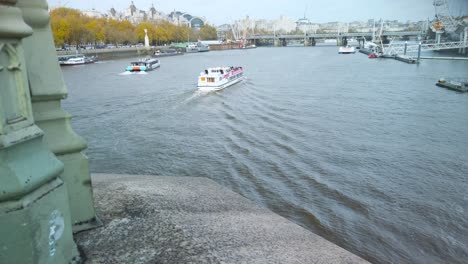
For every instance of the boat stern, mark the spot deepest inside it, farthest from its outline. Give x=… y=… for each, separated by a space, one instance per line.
x=136 y=68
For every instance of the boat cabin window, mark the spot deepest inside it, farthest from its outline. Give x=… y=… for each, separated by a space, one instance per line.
x=211 y=79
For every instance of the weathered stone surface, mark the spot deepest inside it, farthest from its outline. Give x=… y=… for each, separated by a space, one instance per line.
x=151 y=219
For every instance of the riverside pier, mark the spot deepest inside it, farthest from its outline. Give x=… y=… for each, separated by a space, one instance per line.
x=50 y=205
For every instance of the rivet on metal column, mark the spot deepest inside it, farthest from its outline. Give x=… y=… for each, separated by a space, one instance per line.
x=47 y=90
x=35 y=222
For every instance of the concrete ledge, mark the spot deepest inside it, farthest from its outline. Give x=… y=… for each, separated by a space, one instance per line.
x=152 y=219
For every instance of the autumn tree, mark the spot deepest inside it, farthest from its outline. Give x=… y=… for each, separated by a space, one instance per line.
x=96 y=29
x=208 y=32
x=181 y=33
x=70 y=26
x=162 y=34
x=63 y=28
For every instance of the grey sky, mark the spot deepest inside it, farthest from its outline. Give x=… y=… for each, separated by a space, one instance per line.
x=218 y=12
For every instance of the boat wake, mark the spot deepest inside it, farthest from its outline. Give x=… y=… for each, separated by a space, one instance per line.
x=132 y=73
x=194 y=96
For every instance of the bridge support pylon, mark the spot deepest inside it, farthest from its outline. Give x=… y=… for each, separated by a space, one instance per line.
x=465 y=40
x=276 y=42
x=438 y=37
x=46 y=94
x=35 y=221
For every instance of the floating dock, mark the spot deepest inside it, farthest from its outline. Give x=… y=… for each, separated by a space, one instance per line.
x=444 y=58
x=407 y=59
x=461 y=87
x=365 y=51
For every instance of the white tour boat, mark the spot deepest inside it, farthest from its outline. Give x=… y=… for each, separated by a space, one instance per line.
x=214 y=79
x=144 y=65
x=347 y=50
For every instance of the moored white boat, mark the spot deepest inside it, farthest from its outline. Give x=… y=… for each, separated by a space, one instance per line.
x=214 y=79
x=191 y=48
x=76 y=60
x=144 y=65
x=167 y=53
x=347 y=50
x=199 y=47
x=202 y=47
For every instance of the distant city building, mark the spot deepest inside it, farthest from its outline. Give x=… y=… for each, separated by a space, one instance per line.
x=284 y=24
x=92 y=13
x=223 y=31
x=248 y=26
x=304 y=25
x=135 y=16
x=180 y=18
x=245 y=27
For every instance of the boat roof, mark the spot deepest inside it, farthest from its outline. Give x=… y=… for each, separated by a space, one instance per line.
x=145 y=61
x=216 y=70
x=220 y=68
x=71 y=56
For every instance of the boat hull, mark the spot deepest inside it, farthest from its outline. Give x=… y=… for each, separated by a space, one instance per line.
x=211 y=88
x=167 y=55
x=454 y=87
x=144 y=66
x=72 y=63
x=346 y=50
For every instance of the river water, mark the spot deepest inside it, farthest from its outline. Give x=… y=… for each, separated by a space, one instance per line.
x=369 y=154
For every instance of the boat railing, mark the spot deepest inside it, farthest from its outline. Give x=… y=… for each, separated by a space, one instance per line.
x=456 y=79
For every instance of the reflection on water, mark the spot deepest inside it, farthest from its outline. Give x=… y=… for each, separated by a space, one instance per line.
x=369 y=154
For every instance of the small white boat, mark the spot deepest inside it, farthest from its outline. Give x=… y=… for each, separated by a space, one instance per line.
x=144 y=65
x=191 y=48
x=202 y=47
x=199 y=47
x=347 y=50
x=215 y=79
x=167 y=53
x=249 y=47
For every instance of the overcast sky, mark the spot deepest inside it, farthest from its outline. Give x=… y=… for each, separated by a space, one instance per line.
x=219 y=12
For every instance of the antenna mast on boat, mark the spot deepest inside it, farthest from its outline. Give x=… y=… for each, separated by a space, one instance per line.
x=373 y=31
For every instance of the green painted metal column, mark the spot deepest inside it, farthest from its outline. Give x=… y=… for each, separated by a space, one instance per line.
x=47 y=90
x=35 y=223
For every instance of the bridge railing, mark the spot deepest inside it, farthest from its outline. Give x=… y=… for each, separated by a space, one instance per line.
x=335 y=35
x=398 y=49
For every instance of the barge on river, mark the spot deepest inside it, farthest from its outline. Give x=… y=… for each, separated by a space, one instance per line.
x=459 y=86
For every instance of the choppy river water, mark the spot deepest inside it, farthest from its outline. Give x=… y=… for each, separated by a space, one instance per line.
x=370 y=154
